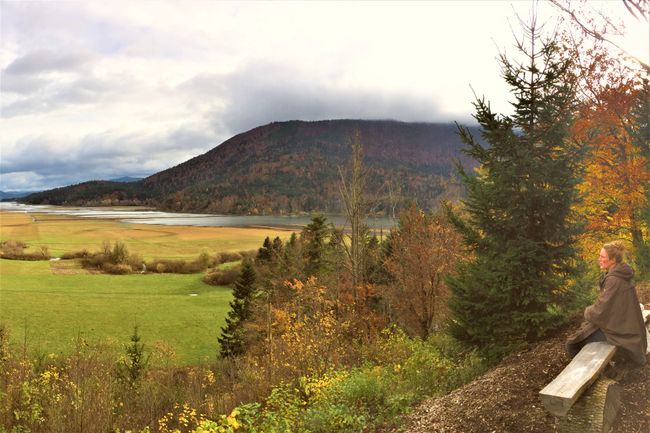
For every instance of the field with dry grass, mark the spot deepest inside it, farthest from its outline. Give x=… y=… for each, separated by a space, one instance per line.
x=62 y=234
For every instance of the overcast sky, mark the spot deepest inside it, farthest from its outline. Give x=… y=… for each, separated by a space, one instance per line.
x=98 y=90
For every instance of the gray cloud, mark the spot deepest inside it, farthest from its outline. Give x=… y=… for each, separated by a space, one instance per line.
x=99 y=156
x=41 y=61
x=42 y=95
x=21 y=84
x=265 y=92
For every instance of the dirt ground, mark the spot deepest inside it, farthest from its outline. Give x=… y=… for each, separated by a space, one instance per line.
x=505 y=400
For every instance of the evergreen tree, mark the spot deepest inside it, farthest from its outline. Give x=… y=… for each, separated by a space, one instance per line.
x=639 y=129
x=519 y=225
x=277 y=247
x=315 y=234
x=264 y=252
x=131 y=368
x=232 y=340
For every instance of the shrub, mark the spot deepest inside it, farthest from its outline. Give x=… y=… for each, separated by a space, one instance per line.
x=15 y=250
x=119 y=269
x=223 y=277
x=248 y=254
x=94 y=260
x=205 y=261
x=75 y=255
x=174 y=267
x=12 y=248
x=135 y=261
x=119 y=254
x=333 y=418
x=162 y=266
x=228 y=256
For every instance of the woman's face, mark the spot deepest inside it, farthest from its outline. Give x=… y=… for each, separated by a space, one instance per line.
x=604 y=260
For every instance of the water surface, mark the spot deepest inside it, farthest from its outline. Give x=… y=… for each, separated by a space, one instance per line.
x=147 y=216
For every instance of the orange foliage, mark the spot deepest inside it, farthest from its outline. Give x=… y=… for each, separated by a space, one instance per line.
x=616 y=173
x=424 y=250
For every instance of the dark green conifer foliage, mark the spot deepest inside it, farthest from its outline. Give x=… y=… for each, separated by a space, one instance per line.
x=639 y=126
x=232 y=341
x=131 y=368
x=315 y=234
x=265 y=251
x=277 y=247
x=518 y=225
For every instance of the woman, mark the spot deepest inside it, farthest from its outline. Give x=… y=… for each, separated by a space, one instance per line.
x=615 y=317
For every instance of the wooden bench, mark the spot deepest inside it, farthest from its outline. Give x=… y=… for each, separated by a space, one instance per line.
x=600 y=404
x=583 y=370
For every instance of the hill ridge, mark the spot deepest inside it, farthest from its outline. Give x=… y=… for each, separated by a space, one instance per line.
x=291 y=167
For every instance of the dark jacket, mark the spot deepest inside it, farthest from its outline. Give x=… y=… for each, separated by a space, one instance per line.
x=618 y=314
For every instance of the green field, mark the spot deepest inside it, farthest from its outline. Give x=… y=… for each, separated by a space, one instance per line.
x=51 y=310
x=49 y=304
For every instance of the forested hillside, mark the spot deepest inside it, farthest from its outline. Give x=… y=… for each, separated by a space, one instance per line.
x=292 y=167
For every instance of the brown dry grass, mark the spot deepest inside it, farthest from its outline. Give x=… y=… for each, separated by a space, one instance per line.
x=64 y=234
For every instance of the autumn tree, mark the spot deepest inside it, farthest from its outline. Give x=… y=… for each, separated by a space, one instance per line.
x=424 y=249
x=613 y=126
x=519 y=226
x=352 y=189
x=232 y=339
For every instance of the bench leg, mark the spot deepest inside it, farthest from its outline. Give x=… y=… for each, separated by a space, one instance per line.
x=596 y=410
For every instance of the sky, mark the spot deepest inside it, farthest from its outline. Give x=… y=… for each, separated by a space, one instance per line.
x=99 y=90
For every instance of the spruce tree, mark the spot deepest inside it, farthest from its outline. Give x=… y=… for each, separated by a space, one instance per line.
x=639 y=129
x=232 y=341
x=518 y=221
x=315 y=235
x=265 y=251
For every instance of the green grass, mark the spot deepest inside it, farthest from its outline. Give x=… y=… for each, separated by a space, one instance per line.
x=50 y=310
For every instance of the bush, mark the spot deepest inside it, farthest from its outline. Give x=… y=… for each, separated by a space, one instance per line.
x=228 y=256
x=174 y=267
x=119 y=269
x=222 y=277
x=119 y=254
x=333 y=418
x=11 y=247
x=15 y=250
x=249 y=254
x=75 y=255
x=95 y=260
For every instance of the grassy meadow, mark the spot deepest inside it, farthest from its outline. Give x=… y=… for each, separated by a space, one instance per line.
x=49 y=304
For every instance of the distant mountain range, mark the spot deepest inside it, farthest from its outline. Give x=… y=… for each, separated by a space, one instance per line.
x=9 y=195
x=292 y=167
x=13 y=195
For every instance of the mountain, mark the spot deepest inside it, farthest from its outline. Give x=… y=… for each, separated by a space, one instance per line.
x=12 y=195
x=292 y=167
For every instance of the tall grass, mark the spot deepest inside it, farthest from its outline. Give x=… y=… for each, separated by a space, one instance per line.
x=85 y=391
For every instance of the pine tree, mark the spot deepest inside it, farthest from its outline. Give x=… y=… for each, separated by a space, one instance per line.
x=315 y=234
x=264 y=253
x=519 y=224
x=232 y=341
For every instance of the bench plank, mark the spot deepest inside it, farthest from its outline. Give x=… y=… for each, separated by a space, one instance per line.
x=559 y=395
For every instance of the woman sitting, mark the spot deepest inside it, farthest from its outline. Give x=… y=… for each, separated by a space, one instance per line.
x=615 y=317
